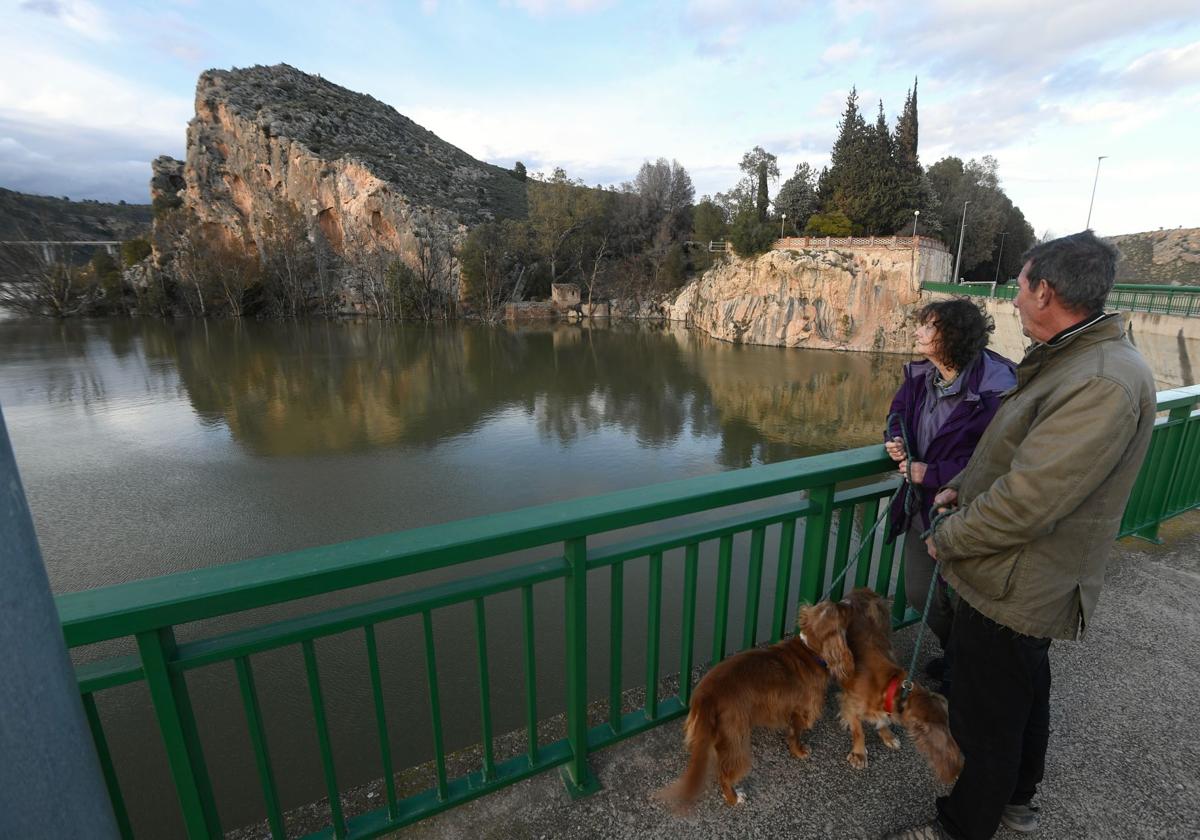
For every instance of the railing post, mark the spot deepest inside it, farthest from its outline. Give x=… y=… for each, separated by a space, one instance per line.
x=51 y=784
x=576 y=776
x=816 y=543
x=173 y=708
x=1160 y=490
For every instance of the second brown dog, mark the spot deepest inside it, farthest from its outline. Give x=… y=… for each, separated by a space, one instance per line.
x=874 y=692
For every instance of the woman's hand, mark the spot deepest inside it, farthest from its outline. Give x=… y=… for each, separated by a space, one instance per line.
x=895 y=448
x=918 y=470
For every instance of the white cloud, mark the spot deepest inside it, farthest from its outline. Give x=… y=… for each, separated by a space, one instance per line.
x=844 y=51
x=79 y=16
x=541 y=8
x=1165 y=69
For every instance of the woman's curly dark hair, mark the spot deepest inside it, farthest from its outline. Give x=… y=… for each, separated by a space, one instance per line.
x=963 y=329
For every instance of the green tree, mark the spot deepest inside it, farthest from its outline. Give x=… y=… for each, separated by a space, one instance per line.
x=751 y=235
x=798 y=197
x=833 y=223
x=843 y=185
x=975 y=184
x=519 y=171
x=879 y=205
x=133 y=251
x=709 y=221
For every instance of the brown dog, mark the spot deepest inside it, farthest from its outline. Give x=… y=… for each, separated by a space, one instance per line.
x=781 y=687
x=874 y=692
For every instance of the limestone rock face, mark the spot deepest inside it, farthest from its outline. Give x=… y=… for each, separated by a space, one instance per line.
x=834 y=300
x=166 y=181
x=367 y=177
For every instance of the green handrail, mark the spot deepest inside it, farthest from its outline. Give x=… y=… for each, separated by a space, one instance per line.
x=149 y=610
x=1131 y=297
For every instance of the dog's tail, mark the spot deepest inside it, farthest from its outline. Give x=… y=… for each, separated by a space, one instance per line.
x=699 y=736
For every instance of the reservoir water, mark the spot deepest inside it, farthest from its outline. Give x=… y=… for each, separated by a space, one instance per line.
x=148 y=448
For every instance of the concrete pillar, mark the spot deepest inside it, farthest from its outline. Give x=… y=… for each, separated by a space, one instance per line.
x=50 y=779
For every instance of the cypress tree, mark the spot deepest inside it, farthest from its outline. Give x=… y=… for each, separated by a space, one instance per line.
x=914 y=190
x=763 y=195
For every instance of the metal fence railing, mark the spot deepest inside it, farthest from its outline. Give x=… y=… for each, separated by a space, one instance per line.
x=1131 y=297
x=816 y=533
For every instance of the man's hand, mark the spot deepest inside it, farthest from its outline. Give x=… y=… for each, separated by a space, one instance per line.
x=918 y=471
x=945 y=500
x=895 y=448
x=931 y=548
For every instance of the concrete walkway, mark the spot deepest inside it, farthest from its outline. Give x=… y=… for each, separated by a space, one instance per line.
x=1124 y=751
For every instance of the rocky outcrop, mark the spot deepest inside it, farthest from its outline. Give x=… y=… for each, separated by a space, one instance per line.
x=1159 y=257
x=841 y=300
x=267 y=142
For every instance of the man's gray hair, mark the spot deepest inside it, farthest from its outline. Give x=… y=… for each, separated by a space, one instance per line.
x=1081 y=269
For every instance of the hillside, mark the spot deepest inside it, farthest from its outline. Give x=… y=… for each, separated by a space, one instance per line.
x=24 y=216
x=1159 y=257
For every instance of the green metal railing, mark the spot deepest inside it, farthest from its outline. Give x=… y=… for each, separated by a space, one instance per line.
x=148 y=611
x=1131 y=297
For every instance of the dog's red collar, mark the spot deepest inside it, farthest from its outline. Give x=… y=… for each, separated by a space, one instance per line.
x=889 y=694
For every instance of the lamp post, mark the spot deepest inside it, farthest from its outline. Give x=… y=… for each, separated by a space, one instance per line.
x=996 y=279
x=1093 y=201
x=781 y=221
x=912 y=259
x=962 y=230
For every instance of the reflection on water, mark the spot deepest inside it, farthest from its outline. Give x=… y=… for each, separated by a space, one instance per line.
x=148 y=448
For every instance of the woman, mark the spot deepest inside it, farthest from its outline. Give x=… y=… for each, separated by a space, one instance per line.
x=945 y=403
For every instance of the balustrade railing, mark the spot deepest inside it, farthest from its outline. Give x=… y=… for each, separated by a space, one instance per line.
x=819 y=502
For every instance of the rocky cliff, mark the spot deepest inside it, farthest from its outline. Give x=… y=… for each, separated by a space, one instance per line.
x=368 y=177
x=833 y=299
x=1159 y=256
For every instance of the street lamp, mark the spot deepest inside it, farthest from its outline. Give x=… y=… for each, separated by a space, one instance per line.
x=781 y=221
x=962 y=230
x=996 y=279
x=1093 y=201
x=912 y=254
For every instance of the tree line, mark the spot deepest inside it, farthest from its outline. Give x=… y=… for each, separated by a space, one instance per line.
x=873 y=185
x=633 y=241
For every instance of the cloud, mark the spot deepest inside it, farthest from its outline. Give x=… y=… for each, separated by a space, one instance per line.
x=63 y=159
x=543 y=8
x=1165 y=69
x=79 y=16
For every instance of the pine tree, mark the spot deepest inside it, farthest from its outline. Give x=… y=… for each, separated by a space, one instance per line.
x=843 y=184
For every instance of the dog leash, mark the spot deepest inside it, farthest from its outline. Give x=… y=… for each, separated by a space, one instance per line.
x=906 y=687
x=911 y=501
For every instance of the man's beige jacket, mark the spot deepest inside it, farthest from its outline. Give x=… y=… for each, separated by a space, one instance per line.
x=1041 y=500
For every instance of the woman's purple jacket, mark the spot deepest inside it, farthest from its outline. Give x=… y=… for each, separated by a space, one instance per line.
x=955 y=440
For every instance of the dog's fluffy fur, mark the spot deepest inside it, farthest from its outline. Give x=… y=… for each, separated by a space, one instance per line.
x=924 y=715
x=781 y=687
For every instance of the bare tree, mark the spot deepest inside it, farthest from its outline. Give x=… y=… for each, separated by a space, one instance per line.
x=434 y=270
x=288 y=260
x=38 y=279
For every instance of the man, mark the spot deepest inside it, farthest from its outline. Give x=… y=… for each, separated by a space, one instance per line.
x=1038 y=507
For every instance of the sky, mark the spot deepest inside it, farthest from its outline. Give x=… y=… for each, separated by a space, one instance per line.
x=91 y=92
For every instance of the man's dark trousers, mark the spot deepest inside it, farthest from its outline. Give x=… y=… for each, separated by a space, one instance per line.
x=1000 y=717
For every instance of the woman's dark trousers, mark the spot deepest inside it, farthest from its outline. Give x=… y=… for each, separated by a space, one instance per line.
x=918 y=569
